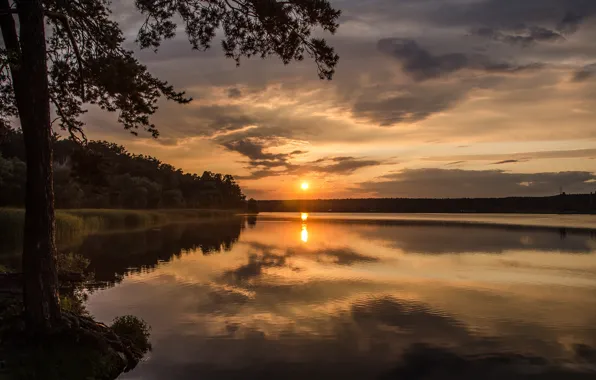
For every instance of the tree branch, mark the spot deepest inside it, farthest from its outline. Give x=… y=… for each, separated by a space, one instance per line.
x=9 y=31
x=82 y=140
x=64 y=20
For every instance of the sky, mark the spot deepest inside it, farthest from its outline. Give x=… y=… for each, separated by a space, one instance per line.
x=431 y=98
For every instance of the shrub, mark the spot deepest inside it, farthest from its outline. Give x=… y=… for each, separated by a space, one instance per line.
x=134 y=329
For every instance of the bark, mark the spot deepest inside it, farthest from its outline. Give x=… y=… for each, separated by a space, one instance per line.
x=42 y=306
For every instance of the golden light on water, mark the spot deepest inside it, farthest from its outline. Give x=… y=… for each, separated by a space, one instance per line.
x=304 y=186
x=304 y=234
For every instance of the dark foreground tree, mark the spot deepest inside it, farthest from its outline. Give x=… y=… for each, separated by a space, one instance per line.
x=70 y=52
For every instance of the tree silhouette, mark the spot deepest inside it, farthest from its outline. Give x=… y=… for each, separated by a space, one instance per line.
x=82 y=60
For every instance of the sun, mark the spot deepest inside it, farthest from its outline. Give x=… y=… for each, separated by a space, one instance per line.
x=304 y=186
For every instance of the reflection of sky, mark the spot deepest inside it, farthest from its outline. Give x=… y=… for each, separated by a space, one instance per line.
x=359 y=295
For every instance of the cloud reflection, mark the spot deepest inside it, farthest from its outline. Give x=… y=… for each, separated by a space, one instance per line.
x=363 y=301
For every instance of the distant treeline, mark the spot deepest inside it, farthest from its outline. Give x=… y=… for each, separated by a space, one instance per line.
x=105 y=175
x=563 y=203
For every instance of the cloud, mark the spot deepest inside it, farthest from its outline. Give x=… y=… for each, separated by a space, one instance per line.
x=207 y=120
x=585 y=73
x=264 y=164
x=570 y=22
x=411 y=106
x=451 y=71
x=254 y=149
x=234 y=93
x=345 y=166
x=341 y=165
x=517 y=157
x=527 y=35
x=258 y=174
x=505 y=162
x=564 y=15
x=523 y=35
x=421 y=65
x=454 y=183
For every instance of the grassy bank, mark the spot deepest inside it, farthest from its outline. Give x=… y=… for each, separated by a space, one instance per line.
x=73 y=225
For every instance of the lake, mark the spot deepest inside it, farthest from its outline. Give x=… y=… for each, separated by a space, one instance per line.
x=340 y=296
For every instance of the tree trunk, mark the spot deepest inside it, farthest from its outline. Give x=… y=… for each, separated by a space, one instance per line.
x=42 y=305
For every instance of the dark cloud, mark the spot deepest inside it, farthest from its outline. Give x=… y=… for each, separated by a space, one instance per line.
x=504 y=158
x=234 y=93
x=408 y=106
x=527 y=35
x=523 y=35
x=418 y=62
x=264 y=164
x=260 y=162
x=213 y=119
x=455 y=163
x=571 y=22
x=256 y=174
x=421 y=65
x=341 y=165
x=440 y=183
x=565 y=15
x=585 y=73
x=505 y=162
x=254 y=150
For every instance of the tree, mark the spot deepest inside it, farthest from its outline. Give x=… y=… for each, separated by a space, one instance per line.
x=82 y=60
x=252 y=206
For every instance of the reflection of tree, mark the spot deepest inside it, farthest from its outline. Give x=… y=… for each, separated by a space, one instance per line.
x=430 y=238
x=251 y=220
x=116 y=254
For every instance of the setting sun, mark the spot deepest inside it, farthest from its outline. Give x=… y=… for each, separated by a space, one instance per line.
x=304 y=186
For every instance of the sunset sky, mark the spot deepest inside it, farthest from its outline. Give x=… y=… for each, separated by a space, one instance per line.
x=432 y=98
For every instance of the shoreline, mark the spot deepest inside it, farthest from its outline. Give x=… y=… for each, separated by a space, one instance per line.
x=580 y=223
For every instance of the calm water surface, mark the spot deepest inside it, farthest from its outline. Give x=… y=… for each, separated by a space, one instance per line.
x=292 y=296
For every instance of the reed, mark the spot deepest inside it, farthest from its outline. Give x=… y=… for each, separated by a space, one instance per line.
x=74 y=225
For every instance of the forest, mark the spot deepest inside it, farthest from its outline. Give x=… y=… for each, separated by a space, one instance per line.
x=105 y=175
x=562 y=203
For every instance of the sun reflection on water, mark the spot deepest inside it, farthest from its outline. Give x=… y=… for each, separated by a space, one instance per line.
x=304 y=232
